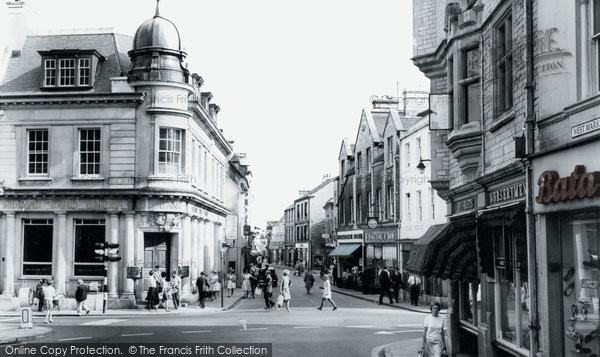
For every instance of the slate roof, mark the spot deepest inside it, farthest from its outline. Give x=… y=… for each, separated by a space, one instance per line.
x=25 y=73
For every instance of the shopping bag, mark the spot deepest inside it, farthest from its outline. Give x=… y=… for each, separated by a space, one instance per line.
x=280 y=300
x=258 y=291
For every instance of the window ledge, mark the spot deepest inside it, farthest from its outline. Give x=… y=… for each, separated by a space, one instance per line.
x=503 y=120
x=25 y=179
x=87 y=178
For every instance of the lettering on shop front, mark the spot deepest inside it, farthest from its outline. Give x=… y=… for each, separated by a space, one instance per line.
x=507 y=193
x=579 y=184
x=21 y=205
x=380 y=236
x=464 y=205
x=102 y=204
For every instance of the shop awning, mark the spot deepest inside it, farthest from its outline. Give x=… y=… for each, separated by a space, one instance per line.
x=446 y=251
x=344 y=250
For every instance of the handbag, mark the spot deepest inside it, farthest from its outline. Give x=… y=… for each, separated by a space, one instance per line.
x=280 y=300
x=258 y=291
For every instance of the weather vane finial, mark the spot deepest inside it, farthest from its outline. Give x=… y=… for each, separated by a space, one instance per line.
x=157 y=13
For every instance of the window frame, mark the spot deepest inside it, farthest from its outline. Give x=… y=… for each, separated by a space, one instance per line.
x=503 y=96
x=80 y=153
x=368 y=159
x=390 y=150
x=44 y=153
x=391 y=202
x=420 y=205
x=81 y=222
x=595 y=34
x=181 y=141
x=64 y=76
x=37 y=222
x=358 y=163
x=467 y=82
x=407 y=154
x=408 y=203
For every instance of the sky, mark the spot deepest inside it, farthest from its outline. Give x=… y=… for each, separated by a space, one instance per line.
x=291 y=77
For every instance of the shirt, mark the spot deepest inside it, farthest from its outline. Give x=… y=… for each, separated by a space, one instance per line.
x=414 y=280
x=434 y=328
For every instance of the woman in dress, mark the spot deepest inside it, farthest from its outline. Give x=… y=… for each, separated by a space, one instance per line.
x=246 y=284
x=284 y=289
x=230 y=283
x=309 y=280
x=325 y=276
x=434 y=340
x=215 y=285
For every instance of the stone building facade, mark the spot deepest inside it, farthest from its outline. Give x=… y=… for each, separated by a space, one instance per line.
x=108 y=138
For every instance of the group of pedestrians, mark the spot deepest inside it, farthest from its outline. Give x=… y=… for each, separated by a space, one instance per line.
x=162 y=291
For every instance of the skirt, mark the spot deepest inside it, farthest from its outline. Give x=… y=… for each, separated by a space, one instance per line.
x=246 y=286
x=230 y=284
x=433 y=349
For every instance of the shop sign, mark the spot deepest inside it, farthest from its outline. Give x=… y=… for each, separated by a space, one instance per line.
x=585 y=128
x=380 y=236
x=507 y=193
x=579 y=184
x=302 y=245
x=465 y=205
x=134 y=272
x=231 y=226
x=54 y=205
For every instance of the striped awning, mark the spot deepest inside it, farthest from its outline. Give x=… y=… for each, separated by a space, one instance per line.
x=446 y=251
x=344 y=250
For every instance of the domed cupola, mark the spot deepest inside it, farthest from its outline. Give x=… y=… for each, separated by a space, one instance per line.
x=156 y=53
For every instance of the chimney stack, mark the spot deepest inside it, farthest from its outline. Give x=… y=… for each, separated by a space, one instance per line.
x=213 y=111
x=326 y=177
x=384 y=102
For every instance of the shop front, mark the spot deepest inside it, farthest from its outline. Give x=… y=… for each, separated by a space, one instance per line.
x=349 y=255
x=567 y=208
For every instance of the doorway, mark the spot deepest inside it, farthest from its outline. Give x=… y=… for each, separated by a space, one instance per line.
x=157 y=251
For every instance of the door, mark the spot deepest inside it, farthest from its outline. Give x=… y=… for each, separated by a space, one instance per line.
x=157 y=251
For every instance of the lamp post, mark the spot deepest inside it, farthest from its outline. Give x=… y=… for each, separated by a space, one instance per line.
x=224 y=246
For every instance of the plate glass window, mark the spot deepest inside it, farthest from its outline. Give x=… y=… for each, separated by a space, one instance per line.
x=37 y=152
x=37 y=246
x=89 y=151
x=169 y=151
x=88 y=232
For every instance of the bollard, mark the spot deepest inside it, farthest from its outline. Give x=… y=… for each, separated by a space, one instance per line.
x=26 y=318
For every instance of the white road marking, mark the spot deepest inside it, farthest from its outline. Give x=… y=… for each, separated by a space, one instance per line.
x=254 y=328
x=365 y=326
x=196 y=331
x=394 y=332
x=137 y=334
x=307 y=326
x=102 y=322
x=74 y=338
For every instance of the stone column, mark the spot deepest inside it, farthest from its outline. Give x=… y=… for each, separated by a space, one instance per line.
x=60 y=267
x=201 y=235
x=129 y=252
x=9 y=256
x=185 y=248
x=194 y=267
x=209 y=246
x=113 y=267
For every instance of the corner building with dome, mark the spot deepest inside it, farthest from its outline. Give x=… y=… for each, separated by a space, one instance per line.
x=107 y=138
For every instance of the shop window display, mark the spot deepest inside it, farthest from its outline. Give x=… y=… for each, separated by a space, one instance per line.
x=580 y=284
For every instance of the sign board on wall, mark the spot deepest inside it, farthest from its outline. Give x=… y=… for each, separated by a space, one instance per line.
x=231 y=226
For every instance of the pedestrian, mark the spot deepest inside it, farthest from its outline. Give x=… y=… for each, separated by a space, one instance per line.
x=385 y=283
x=434 y=339
x=39 y=293
x=231 y=277
x=309 y=281
x=152 y=296
x=202 y=286
x=325 y=276
x=81 y=296
x=175 y=289
x=166 y=293
x=414 y=285
x=254 y=278
x=268 y=289
x=284 y=289
x=158 y=278
x=215 y=286
x=247 y=284
x=397 y=283
x=49 y=297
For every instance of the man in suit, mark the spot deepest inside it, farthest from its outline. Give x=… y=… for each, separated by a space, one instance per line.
x=414 y=285
x=202 y=286
x=397 y=283
x=385 y=284
x=80 y=296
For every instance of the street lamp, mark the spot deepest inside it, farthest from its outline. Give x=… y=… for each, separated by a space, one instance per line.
x=421 y=165
x=224 y=246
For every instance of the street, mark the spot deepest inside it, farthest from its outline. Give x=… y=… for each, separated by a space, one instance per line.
x=355 y=329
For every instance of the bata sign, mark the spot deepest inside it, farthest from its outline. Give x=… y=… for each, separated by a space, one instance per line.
x=580 y=184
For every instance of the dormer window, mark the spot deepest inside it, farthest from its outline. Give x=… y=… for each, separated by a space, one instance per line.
x=69 y=68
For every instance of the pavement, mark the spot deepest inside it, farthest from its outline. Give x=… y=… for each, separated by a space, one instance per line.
x=11 y=331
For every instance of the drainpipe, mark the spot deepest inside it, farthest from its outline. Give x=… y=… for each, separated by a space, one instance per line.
x=530 y=148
